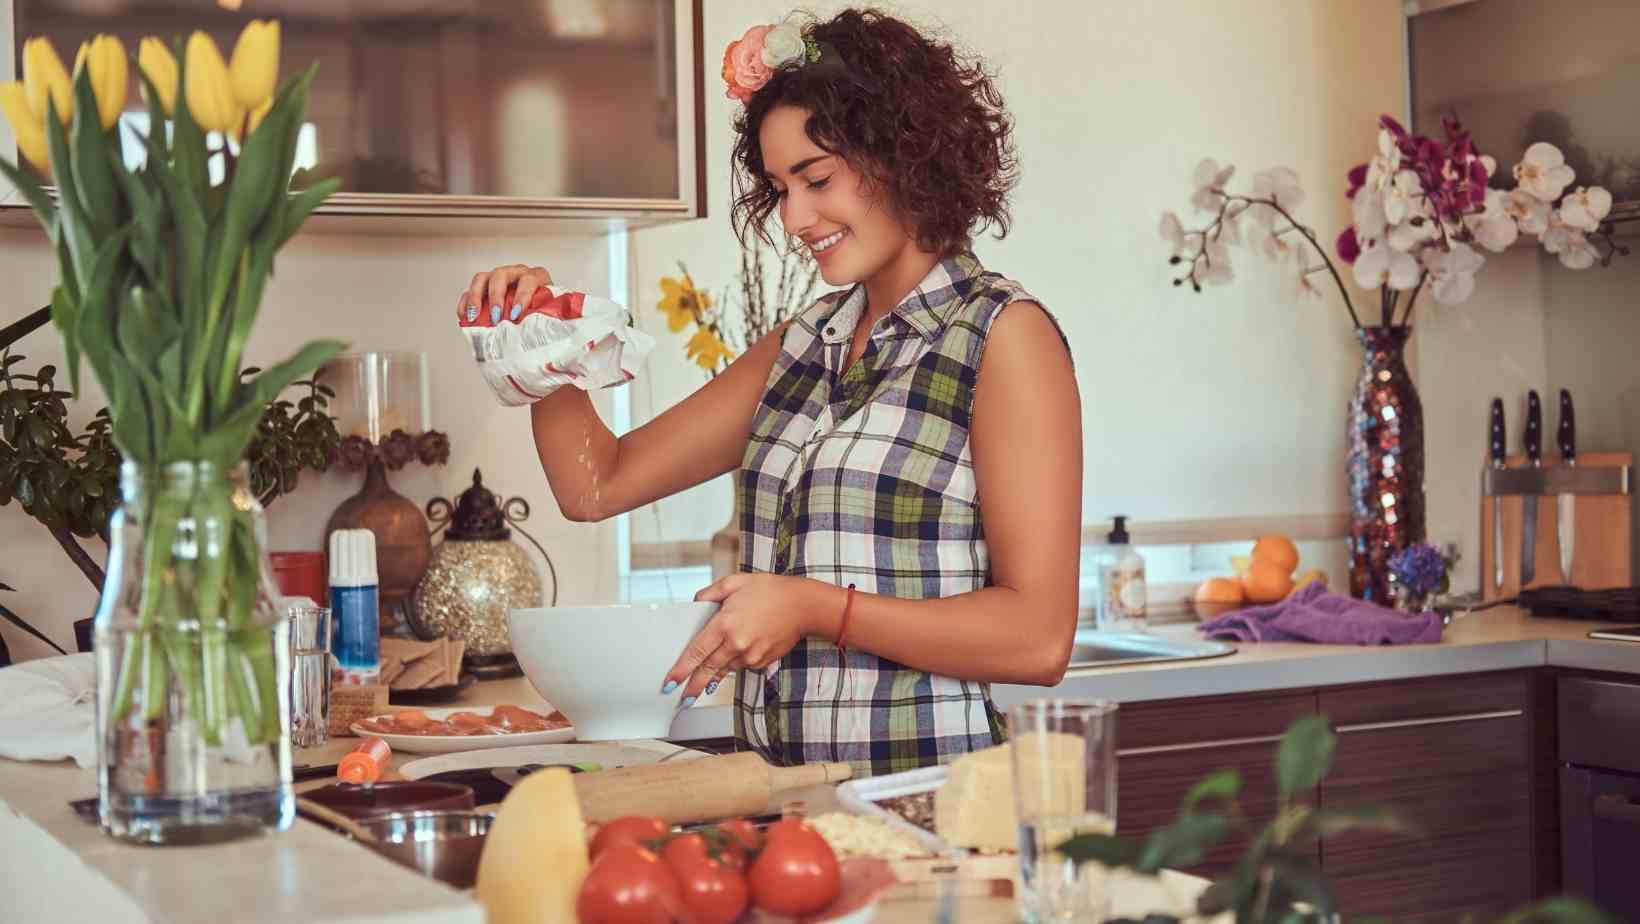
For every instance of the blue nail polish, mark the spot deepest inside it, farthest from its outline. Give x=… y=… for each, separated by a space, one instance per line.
x=495 y=314
x=687 y=702
x=472 y=313
x=670 y=686
x=711 y=688
x=517 y=310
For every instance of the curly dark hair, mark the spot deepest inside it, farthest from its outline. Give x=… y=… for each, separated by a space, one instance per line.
x=921 y=121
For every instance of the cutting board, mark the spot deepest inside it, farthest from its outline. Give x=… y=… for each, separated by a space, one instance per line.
x=1603 y=544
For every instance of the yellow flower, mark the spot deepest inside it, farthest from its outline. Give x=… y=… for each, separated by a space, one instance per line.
x=707 y=350
x=110 y=75
x=29 y=129
x=255 y=65
x=682 y=302
x=210 y=92
x=160 y=66
x=258 y=114
x=44 y=77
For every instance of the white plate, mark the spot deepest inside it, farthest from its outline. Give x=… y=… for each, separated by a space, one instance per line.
x=445 y=744
x=860 y=797
x=609 y=755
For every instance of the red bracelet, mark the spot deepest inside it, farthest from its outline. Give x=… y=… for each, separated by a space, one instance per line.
x=842 y=628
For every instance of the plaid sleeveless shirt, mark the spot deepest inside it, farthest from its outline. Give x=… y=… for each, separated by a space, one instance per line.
x=867 y=478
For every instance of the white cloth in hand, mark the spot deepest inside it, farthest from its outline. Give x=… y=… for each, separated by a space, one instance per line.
x=48 y=709
x=562 y=338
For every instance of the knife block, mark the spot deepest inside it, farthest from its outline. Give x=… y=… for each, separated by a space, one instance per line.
x=1601 y=545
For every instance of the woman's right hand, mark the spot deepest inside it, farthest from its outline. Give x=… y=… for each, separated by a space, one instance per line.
x=501 y=293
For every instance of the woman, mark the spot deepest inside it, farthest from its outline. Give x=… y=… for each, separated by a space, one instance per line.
x=908 y=449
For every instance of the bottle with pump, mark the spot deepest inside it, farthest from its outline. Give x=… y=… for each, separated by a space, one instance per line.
x=1121 y=584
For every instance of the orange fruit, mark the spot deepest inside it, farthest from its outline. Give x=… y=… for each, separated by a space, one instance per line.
x=1266 y=583
x=1278 y=551
x=1220 y=590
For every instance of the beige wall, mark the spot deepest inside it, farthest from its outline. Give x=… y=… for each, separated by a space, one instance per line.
x=1226 y=404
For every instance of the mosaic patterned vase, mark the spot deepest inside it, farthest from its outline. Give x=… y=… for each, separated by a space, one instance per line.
x=1385 y=462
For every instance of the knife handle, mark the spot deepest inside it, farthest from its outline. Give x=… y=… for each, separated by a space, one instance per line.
x=1566 y=434
x=1534 y=428
x=1497 y=433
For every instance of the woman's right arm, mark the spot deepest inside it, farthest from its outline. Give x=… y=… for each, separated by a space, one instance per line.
x=592 y=474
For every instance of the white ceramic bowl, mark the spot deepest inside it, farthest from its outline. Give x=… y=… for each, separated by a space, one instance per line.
x=603 y=666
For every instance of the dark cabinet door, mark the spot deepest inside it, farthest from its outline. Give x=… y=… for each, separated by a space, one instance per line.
x=1451 y=758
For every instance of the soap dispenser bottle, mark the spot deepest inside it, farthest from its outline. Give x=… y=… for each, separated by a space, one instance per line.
x=1121 y=584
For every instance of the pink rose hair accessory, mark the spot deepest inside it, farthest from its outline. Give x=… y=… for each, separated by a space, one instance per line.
x=751 y=60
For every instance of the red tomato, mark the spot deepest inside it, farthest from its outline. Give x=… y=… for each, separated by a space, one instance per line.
x=713 y=891
x=797 y=873
x=633 y=829
x=629 y=885
x=741 y=839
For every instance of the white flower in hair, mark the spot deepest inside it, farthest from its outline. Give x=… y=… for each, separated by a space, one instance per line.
x=783 y=45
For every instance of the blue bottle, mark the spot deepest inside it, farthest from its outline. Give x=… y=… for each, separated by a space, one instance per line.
x=357 y=645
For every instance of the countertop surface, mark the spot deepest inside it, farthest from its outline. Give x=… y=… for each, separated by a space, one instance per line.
x=53 y=866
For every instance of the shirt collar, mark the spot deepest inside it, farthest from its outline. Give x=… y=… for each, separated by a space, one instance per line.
x=925 y=310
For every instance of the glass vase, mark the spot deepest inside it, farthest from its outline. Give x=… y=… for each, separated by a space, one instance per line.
x=1385 y=462
x=192 y=663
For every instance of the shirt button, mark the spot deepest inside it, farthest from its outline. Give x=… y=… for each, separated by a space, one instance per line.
x=831 y=332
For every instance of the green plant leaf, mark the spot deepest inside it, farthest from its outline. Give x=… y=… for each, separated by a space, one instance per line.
x=19 y=622
x=1305 y=755
x=45 y=211
x=1326 y=822
x=1222 y=786
x=229 y=439
x=1561 y=909
x=302 y=205
x=93 y=171
x=1183 y=843
x=65 y=317
x=1107 y=849
x=1300 y=875
x=72 y=224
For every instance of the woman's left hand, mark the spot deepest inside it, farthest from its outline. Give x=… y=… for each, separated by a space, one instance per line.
x=762 y=617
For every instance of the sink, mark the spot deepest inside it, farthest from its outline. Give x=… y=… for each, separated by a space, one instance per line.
x=1104 y=649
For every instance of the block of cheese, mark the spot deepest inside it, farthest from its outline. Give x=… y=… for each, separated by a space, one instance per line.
x=976 y=807
x=535 y=856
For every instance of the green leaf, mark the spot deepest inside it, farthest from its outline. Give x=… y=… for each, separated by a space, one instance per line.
x=1182 y=843
x=1289 y=823
x=95 y=325
x=1326 y=822
x=187 y=138
x=228 y=440
x=303 y=204
x=1305 y=755
x=66 y=318
x=93 y=171
x=18 y=621
x=1107 y=849
x=1223 y=786
x=45 y=211
x=73 y=225
x=1300 y=875
x=1561 y=909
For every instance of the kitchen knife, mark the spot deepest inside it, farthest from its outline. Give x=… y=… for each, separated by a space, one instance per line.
x=1498 y=452
x=1528 y=506
x=1566 y=526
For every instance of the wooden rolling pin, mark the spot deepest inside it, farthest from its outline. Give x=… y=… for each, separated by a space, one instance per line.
x=707 y=789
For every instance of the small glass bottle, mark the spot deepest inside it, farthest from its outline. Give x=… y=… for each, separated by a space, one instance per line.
x=1121 y=584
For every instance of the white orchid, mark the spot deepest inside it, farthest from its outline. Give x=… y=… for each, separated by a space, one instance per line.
x=783 y=45
x=1306 y=283
x=1173 y=232
x=1493 y=228
x=1383 y=265
x=1543 y=172
x=1528 y=211
x=1277 y=245
x=1401 y=196
x=1570 y=244
x=1417 y=228
x=1452 y=272
x=1367 y=212
x=1210 y=181
x=1279 y=184
x=1586 y=208
x=1217 y=269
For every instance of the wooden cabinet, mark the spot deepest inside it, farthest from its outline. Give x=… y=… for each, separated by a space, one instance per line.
x=1468 y=759
x=1451 y=756
x=1166 y=747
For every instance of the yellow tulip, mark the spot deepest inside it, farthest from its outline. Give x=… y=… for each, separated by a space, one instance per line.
x=258 y=114
x=155 y=60
x=255 y=65
x=45 y=78
x=210 y=92
x=110 y=75
x=29 y=129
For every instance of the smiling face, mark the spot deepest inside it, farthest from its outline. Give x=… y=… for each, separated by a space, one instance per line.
x=827 y=204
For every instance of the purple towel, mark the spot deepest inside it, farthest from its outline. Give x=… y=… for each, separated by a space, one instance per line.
x=1312 y=614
